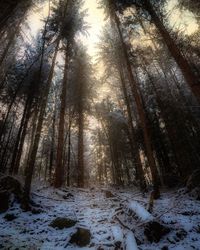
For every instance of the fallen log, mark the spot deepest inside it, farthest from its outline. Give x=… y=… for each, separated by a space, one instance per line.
x=153 y=229
x=139 y=212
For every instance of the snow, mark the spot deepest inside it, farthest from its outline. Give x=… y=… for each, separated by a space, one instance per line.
x=131 y=242
x=97 y=213
x=140 y=211
x=117 y=233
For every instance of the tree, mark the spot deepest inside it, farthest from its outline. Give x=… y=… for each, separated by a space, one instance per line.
x=146 y=6
x=71 y=22
x=43 y=104
x=138 y=101
x=110 y=53
x=82 y=81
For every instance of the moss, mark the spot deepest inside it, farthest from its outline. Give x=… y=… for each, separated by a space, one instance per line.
x=61 y=223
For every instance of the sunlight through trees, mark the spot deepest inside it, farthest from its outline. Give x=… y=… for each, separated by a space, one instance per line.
x=100 y=92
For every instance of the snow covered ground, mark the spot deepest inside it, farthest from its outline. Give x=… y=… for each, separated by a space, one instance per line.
x=109 y=220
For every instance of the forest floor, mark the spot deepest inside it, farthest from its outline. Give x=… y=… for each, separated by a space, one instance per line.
x=107 y=216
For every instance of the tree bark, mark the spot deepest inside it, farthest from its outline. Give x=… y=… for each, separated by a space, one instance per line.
x=32 y=159
x=192 y=81
x=134 y=149
x=69 y=152
x=60 y=147
x=22 y=128
x=51 y=160
x=80 y=146
x=141 y=112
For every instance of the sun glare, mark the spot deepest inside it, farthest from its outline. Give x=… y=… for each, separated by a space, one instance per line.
x=95 y=20
x=182 y=20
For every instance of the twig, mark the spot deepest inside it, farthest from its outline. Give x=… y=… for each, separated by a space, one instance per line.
x=127 y=198
x=121 y=223
x=49 y=198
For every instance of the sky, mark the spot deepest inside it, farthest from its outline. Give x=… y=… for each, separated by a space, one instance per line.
x=96 y=20
x=184 y=20
x=177 y=19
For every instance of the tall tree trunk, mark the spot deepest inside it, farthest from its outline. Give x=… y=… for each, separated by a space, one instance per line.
x=69 y=152
x=12 y=37
x=32 y=159
x=19 y=137
x=12 y=102
x=60 y=147
x=181 y=158
x=51 y=160
x=113 y=168
x=141 y=113
x=133 y=142
x=3 y=166
x=80 y=143
x=22 y=139
x=183 y=64
x=7 y=12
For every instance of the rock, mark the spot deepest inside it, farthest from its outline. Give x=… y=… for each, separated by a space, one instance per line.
x=12 y=185
x=4 y=198
x=181 y=234
x=109 y=194
x=165 y=248
x=61 y=223
x=195 y=193
x=81 y=238
x=69 y=195
x=36 y=211
x=10 y=217
x=154 y=231
x=194 y=180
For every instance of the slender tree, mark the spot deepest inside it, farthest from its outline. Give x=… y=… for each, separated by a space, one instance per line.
x=139 y=103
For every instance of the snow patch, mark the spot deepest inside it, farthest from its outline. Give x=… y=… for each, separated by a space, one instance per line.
x=131 y=242
x=140 y=211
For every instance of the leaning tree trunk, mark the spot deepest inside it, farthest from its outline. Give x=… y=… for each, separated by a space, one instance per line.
x=13 y=100
x=5 y=149
x=134 y=148
x=33 y=153
x=11 y=40
x=191 y=79
x=22 y=140
x=21 y=134
x=22 y=128
x=7 y=12
x=141 y=112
